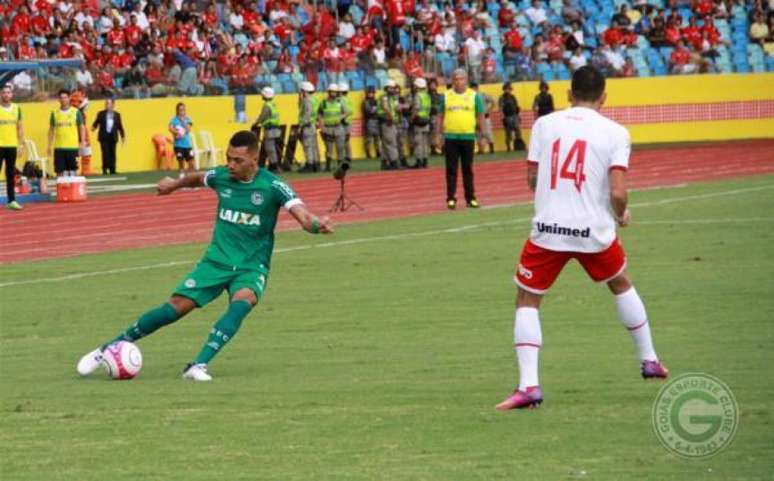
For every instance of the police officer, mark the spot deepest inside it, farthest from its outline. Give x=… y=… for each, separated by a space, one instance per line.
x=307 y=120
x=269 y=120
x=484 y=133
x=371 y=123
x=346 y=101
x=388 y=123
x=420 y=119
x=404 y=127
x=436 y=127
x=330 y=120
x=509 y=108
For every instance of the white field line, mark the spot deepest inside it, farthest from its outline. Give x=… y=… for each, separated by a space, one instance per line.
x=452 y=230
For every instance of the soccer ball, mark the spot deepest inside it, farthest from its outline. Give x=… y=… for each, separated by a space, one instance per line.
x=179 y=132
x=123 y=360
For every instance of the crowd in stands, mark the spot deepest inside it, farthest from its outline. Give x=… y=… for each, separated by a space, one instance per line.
x=192 y=47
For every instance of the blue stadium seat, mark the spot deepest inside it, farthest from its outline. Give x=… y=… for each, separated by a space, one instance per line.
x=742 y=67
x=289 y=86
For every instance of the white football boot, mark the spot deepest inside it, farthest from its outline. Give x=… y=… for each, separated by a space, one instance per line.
x=90 y=362
x=197 y=372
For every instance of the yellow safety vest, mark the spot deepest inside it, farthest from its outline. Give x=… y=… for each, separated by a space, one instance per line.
x=459 y=112
x=66 y=128
x=9 y=119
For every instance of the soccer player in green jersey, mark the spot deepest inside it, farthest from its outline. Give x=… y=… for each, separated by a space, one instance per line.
x=238 y=257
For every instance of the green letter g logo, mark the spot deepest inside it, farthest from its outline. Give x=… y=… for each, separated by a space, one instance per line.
x=712 y=421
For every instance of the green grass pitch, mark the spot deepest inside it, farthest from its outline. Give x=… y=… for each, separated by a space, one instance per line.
x=381 y=358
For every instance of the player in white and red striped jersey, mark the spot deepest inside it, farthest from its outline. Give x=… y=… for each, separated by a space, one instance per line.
x=576 y=165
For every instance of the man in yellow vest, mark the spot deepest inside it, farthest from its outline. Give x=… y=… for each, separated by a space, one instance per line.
x=346 y=101
x=269 y=121
x=421 y=106
x=11 y=142
x=66 y=136
x=307 y=121
x=463 y=112
x=387 y=110
x=331 y=117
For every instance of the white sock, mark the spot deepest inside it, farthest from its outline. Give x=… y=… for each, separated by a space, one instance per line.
x=632 y=314
x=528 y=339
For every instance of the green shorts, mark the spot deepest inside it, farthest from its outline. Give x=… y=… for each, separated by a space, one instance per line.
x=207 y=281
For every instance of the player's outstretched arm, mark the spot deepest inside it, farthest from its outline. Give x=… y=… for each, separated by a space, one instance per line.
x=619 y=196
x=310 y=222
x=167 y=185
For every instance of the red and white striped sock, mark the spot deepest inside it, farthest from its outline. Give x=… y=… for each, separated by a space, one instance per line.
x=527 y=339
x=632 y=314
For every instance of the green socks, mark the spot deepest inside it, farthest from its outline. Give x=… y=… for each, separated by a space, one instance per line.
x=223 y=330
x=148 y=323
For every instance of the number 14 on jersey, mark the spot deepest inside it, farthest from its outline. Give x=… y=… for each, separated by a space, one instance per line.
x=576 y=155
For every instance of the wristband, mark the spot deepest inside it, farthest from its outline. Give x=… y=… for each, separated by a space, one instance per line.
x=315 y=228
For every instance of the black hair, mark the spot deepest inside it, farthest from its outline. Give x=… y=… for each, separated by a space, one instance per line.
x=244 y=138
x=588 y=84
x=63 y=91
x=473 y=85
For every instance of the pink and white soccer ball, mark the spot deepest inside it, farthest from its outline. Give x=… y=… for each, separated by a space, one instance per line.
x=123 y=360
x=179 y=132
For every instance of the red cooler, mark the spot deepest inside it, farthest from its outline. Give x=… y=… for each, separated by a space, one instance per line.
x=71 y=189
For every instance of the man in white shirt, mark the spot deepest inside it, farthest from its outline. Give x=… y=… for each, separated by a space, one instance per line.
x=614 y=59
x=576 y=165
x=577 y=60
x=536 y=13
x=84 y=79
x=475 y=47
x=346 y=27
x=444 y=42
x=22 y=84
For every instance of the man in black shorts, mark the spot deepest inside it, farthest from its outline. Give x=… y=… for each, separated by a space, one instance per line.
x=66 y=136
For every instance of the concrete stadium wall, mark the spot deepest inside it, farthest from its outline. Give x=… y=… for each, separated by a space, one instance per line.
x=662 y=109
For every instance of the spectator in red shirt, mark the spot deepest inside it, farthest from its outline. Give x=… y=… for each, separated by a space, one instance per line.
x=105 y=82
x=210 y=16
x=703 y=7
x=133 y=32
x=116 y=36
x=505 y=16
x=285 y=32
x=21 y=22
x=489 y=67
x=26 y=50
x=613 y=35
x=711 y=31
x=332 y=56
x=512 y=43
x=672 y=33
x=555 y=47
x=691 y=34
x=396 y=18
x=39 y=25
x=680 y=60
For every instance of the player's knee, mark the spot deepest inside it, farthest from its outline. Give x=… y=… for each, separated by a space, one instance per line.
x=245 y=295
x=182 y=305
x=620 y=284
x=528 y=299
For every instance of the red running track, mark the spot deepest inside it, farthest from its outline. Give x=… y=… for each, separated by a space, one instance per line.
x=51 y=230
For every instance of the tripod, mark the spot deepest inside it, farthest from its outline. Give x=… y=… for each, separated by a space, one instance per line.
x=343 y=202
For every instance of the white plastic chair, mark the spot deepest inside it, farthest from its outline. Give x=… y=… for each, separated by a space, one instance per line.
x=214 y=154
x=34 y=156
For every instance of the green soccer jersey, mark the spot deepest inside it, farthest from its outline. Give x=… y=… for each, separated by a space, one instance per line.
x=243 y=237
